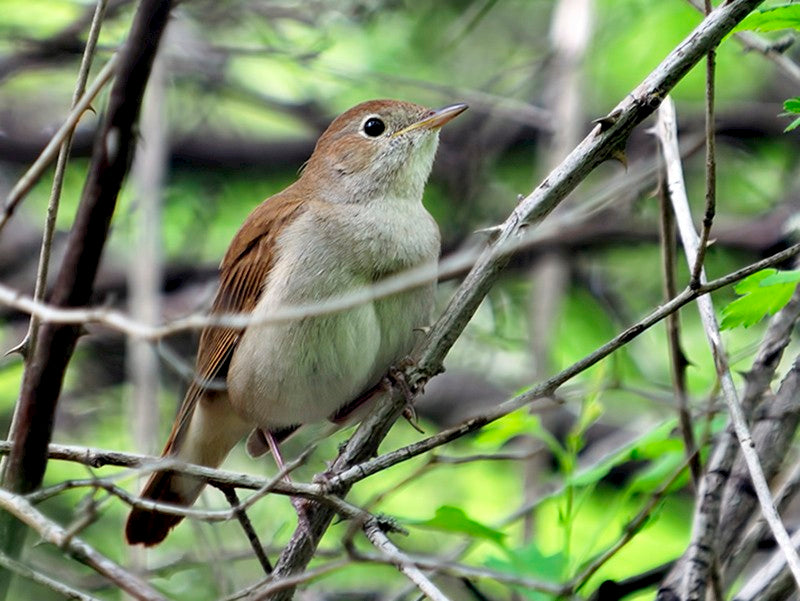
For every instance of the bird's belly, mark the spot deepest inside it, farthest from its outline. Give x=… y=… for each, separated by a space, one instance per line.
x=303 y=371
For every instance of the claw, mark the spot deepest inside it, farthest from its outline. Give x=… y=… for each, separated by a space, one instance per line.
x=397 y=378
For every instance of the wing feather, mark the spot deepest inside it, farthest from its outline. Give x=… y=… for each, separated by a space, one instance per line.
x=243 y=274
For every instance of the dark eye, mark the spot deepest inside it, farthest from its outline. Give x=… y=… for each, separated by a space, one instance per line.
x=374 y=127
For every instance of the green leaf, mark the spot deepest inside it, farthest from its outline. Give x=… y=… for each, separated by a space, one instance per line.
x=531 y=562
x=760 y=298
x=453 y=519
x=793 y=125
x=785 y=16
x=650 y=444
x=781 y=277
x=792 y=105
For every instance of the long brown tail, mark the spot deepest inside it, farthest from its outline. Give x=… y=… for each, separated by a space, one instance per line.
x=203 y=435
x=148 y=527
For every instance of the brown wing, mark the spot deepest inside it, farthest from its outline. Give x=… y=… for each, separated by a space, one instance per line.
x=243 y=273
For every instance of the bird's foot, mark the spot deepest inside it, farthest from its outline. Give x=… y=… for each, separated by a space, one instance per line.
x=397 y=379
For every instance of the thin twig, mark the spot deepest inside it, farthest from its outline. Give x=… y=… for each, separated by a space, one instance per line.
x=378 y=537
x=35 y=171
x=371 y=466
x=711 y=165
x=744 y=551
x=29 y=342
x=677 y=363
x=54 y=534
x=694 y=582
x=247 y=526
x=62 y=589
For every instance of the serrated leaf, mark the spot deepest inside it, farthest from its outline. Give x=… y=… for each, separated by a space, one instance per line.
x=453 y=519
x=785 y=16
x=757 y=301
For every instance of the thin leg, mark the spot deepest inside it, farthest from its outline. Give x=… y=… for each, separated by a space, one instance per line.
x=297 y=503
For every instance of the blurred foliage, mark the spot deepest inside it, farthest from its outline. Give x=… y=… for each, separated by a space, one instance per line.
x=268 y=73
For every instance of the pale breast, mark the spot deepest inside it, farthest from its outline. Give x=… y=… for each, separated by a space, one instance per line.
x=303 y=371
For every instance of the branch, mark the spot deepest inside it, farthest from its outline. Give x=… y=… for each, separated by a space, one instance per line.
x=62 y=589
x=378 y=537
x=702 y=546
x=602 y=143
x=35 y=171
x=79 y=550
x=45 y=368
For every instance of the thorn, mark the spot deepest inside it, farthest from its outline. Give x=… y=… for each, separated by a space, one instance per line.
x=490 y=232
x=90 y=109
x=618 y=154
x=608 y=120
x=21 y=348
x=425 y=330
x=388 y=524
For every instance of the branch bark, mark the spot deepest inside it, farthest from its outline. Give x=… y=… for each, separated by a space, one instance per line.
x=46 y=366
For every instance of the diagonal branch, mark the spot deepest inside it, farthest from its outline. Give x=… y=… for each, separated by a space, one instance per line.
x=56 y=535
x=602 y=143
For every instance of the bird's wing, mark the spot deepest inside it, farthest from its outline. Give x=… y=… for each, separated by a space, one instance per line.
x=243 y=273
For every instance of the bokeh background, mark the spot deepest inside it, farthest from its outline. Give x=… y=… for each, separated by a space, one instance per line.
x=241 y=91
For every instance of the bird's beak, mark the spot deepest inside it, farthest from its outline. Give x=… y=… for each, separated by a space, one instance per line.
x=435 y=119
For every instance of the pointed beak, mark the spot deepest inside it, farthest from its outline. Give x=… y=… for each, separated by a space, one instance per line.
x=434 y=119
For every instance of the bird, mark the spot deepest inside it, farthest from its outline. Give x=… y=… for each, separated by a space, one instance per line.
x=353 y=217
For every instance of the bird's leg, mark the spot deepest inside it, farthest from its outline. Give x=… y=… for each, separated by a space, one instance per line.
x=397 y=378
x=297 y=503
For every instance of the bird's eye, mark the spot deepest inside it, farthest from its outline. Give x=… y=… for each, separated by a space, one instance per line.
x=374 y=127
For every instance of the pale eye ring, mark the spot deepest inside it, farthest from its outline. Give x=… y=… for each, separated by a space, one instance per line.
x=374 y=127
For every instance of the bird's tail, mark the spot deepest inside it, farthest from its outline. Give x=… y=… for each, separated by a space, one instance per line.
x=149 y=527
x=205 y=436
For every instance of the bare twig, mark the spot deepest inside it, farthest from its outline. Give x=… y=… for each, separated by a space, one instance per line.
x=694 y=581
x=378 y=537
x=747 y=546
x=371 y=466
x=32 y=175
x=772 y=582
x=62 y=589
x=79 y=550
x=677 y=360
x=247 y=526
x=29 y=343
x=711 y=165
x=752 y=41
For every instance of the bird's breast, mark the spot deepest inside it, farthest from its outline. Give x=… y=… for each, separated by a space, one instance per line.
x=303 y=370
